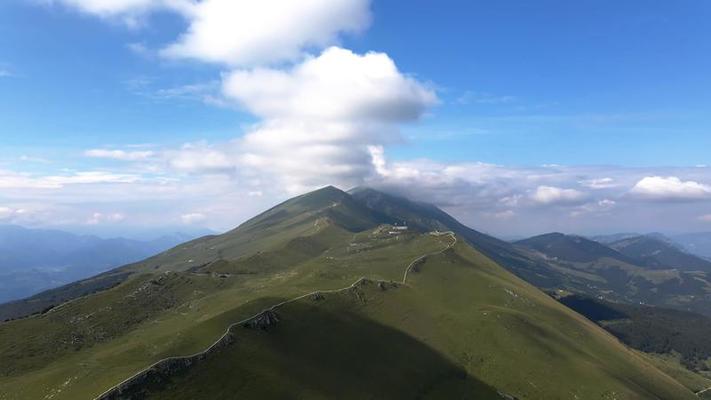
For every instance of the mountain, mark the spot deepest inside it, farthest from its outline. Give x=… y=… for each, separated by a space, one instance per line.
x=695 y=243
x=428 y=217
x=322 y=296
x=571 y=248
x=658 y=252
x=619 y=273
x=607 y=239
x=32 y=260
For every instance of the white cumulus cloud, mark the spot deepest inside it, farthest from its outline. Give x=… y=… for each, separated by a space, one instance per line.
x=102 y=218
x=193 y=218
x=555 y=195
x=671 y=188
x=119 y=154
x=112 y=8
x=337 y=85
x=322 y=118
x=243 y=32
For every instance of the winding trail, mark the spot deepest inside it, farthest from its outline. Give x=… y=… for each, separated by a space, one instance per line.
x=105 y=395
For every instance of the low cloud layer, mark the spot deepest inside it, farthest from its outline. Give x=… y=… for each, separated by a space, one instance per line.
x=183 y=187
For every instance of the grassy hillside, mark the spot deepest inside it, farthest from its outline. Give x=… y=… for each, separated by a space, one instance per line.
x=460 y=326
x=467 y=326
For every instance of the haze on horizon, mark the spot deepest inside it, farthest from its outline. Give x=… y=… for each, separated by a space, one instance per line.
x=135 y=115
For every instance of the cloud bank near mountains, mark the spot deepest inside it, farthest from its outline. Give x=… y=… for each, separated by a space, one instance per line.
x=184 y=186
x=326 y=115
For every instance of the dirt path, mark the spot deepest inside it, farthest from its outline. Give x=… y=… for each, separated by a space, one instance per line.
x=275 y=306
x=700 y=392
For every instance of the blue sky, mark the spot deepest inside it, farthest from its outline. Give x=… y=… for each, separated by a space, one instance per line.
x=618 y=89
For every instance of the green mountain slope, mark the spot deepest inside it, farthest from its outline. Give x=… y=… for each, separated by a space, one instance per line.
x=458 y=326
x=291 y=219
x=425 y=217
x=493 y=329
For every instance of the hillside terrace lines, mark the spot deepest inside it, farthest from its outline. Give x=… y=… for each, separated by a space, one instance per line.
x=115 y=391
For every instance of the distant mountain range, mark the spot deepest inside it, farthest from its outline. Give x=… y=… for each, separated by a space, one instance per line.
x=632 y=269
x=697 y=243
x=32 y=260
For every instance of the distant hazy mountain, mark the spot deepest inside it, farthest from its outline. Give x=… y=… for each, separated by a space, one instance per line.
x=657 y=251
x=612 y=238
x=32 y=260
x=697 y=243
x=570 y=247
x=640 y=269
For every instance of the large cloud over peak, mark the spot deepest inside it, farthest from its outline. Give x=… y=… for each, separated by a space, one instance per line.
x=337 y=85
x=244 y=32
x=322 y=118
x=554 y=195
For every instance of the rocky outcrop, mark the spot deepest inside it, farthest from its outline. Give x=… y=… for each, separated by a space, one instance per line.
x=137 y=387
x=383 y=285
x=263 y=321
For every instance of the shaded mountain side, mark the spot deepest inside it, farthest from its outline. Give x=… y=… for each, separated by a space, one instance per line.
x=652 y=329
x=315 y=352
x=654 y=252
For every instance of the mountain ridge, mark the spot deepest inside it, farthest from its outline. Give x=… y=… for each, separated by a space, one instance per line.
x=496 y=330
